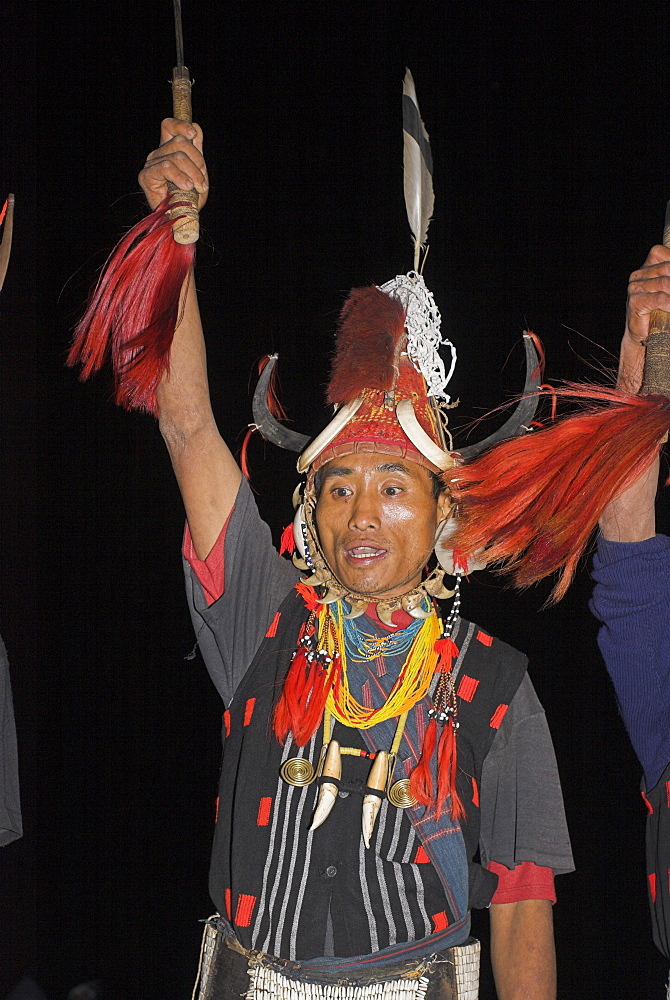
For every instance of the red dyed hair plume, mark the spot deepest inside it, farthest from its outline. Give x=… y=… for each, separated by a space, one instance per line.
x=372 y=325
x=532 y=502
x=134 y=309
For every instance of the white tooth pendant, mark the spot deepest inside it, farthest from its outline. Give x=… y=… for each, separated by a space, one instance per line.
x=332 y=768
x=377 y=778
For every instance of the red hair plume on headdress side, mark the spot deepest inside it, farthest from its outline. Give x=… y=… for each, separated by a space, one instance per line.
x=372 y=324
x=530 y=504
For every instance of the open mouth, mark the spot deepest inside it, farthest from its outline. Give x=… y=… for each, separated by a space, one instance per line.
x=365 y=554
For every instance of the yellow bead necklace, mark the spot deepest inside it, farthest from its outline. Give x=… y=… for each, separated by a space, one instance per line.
x=410 y=687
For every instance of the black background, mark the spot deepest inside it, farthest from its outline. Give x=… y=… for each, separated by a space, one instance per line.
x=549 y=129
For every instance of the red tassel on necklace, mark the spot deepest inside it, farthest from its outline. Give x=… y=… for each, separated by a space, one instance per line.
x=448 y=651
x=287 y=543
x=421 y=778
x=309 y=596
x=303 y=699
x=446 y=773
x=134 y=310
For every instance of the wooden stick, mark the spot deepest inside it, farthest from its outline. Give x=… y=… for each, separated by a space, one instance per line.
x=183 y=203
x=657 y=358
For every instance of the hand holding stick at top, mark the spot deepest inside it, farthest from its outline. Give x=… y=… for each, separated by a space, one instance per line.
x=630 y=517
x=134 y=308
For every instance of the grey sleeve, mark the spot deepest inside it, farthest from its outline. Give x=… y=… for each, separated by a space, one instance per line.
x=257 y=580
x=10 y=805
x=522 y=812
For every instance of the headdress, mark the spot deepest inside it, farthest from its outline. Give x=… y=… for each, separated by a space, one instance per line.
x=389 y=388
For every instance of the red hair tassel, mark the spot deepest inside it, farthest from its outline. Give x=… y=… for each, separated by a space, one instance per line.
x=274 y=403
x=244 y=460
x=421 y=778
x=287 y=542
x=531 y=503
x=303 y=699
x=446 y=773
x=134 y=310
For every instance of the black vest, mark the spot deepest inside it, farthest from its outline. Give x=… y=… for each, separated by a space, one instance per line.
x=488 y=677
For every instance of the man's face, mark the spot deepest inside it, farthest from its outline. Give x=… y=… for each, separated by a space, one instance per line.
x=376 y=517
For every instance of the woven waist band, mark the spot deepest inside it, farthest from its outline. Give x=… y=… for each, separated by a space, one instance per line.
x=228 y=971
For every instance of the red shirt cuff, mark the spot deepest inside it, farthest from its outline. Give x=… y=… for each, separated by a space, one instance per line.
x=526 y=881
x=209 y=572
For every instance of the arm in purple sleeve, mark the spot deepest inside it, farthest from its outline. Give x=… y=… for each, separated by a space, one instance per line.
x=632 y=600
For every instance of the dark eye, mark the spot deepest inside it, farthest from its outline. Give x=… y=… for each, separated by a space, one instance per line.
x=393 y=491
x=340 y=491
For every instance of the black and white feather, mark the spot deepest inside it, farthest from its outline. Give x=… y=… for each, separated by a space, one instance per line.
x=418 y=168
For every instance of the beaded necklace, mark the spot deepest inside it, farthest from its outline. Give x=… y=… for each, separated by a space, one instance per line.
x=361 y=646
x=410 y=687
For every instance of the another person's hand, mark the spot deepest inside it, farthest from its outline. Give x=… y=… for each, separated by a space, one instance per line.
x=631 y=516
x=648 y=289
x=178 y=159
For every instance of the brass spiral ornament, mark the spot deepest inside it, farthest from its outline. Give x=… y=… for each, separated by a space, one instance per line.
x=400 y=795
x=298 y=772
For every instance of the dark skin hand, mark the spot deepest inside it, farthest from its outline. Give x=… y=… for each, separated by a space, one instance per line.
x=178 y=159
x=631 y=517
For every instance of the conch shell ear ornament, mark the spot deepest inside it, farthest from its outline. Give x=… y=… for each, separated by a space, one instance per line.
x=445 y=556
x=299 y=530
x=332 y=768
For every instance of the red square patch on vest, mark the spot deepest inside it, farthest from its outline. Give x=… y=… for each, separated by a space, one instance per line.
x=245 y=909
x=226 y=721
x=264 y=810
x=440 y=922
x=272 y=631
x=498 y=716
x=249 y=710
x=421 y=858
x=467 y=687
x=486 y=640
x=652 y=886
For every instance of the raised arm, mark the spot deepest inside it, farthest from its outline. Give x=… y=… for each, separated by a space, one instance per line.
x=206 y=471
x=630 y=517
